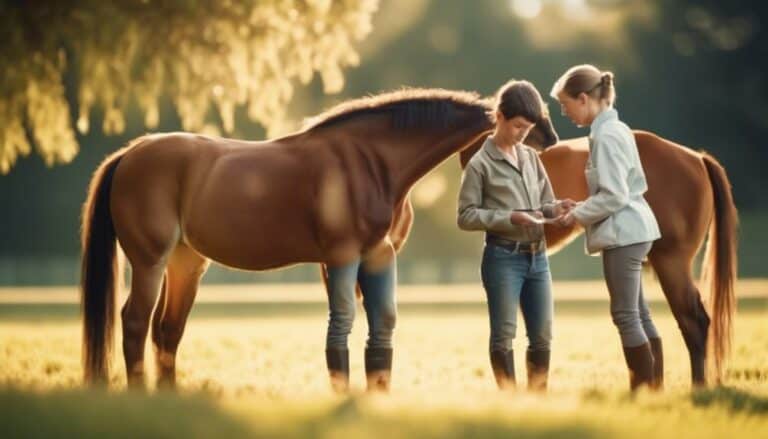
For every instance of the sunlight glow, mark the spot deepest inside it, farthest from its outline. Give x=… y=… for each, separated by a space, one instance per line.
x=576 y=9
x=526 y=9
x=559 y=24
x=429 y=190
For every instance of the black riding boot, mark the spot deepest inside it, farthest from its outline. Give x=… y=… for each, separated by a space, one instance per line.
x=378 y=368
x=503 y=365
x=538 y=369
x=640 y=363
x=338 y=369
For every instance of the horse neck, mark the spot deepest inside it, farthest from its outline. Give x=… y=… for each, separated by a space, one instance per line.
x=470 y=150
x=409 y=157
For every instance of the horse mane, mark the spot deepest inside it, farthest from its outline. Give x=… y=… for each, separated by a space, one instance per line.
x=409 y=107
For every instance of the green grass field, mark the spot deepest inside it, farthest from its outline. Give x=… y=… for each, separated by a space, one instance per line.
x=251 y=364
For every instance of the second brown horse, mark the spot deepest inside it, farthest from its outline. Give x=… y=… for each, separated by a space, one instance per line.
x=690 y=195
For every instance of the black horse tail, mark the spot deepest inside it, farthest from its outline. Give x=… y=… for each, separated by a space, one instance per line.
x=100 y=275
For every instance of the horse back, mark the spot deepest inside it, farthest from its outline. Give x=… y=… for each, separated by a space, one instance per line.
x=679 y=191
x=565 y=163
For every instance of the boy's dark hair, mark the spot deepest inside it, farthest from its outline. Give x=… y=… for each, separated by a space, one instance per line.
x=520 y=98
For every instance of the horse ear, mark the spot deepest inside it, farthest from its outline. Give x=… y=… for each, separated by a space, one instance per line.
x=491 y=115
x=488 y=102
x=544 y=125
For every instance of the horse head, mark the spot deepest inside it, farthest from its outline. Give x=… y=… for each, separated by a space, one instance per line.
x=541 y=137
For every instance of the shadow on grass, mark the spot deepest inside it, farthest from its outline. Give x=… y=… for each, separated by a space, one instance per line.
x=353 y=418
x=732 y=399
x=97 y=414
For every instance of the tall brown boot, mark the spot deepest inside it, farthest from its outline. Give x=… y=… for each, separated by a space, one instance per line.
x=338 y=369
x=537 y=363
x=640 y=363
x=658 y=363
x=503 y=365
x=378 y=368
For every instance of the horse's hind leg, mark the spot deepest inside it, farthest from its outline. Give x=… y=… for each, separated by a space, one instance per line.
x=146 y=282
x=674 y=271
x=185 y=268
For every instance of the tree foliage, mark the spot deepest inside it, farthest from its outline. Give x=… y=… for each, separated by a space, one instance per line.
x=198 y=53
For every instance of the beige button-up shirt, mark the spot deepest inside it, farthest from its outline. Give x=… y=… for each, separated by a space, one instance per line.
x=492 y=188
x=616 y=213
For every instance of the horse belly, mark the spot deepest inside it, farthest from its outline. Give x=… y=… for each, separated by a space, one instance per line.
x=252 y=245
x=241 y=227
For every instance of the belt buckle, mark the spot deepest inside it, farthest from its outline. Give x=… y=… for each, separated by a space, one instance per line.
x=531 y=247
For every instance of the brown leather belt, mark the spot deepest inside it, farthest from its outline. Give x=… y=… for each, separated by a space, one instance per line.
x=516 y=246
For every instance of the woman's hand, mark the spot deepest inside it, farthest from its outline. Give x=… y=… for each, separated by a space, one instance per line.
x=567 y=220
x=564 y=206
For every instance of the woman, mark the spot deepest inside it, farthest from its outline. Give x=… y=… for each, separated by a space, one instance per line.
x=505 y=191
x=617 y=219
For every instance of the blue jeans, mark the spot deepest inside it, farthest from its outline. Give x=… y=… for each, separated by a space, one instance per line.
x=378 y=288
x=512 y=278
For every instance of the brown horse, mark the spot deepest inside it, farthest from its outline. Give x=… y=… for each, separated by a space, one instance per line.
x=690 y=195
x=691 y=198
x=325 y=195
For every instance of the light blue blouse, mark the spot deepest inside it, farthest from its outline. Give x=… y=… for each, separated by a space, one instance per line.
x=616 y=214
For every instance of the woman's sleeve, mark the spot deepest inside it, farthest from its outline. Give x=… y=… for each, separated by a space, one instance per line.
x=611 y=165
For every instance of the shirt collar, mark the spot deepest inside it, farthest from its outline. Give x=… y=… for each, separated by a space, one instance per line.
x=604 y=116
x=489 y=146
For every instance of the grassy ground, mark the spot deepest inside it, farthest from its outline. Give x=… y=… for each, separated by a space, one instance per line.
x=257 y=369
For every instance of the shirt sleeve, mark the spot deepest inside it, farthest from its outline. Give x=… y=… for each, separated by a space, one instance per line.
x=548 y=201
x=611 y=164
x=471 y=215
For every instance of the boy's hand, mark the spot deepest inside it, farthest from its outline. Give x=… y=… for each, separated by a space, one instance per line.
x=526 y=218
